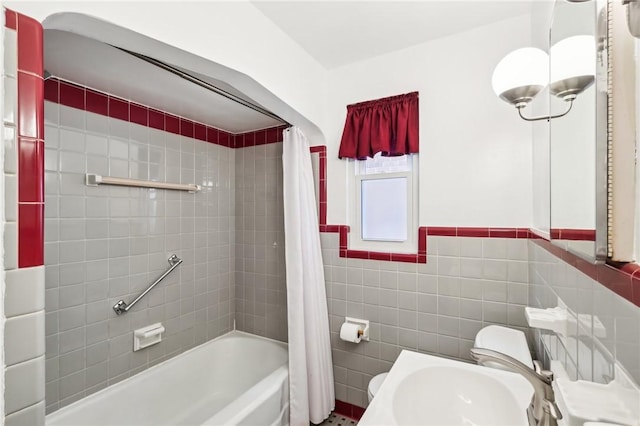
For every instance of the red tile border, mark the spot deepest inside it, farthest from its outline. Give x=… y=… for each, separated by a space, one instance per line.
x=139 y=115
x=30 y=171
x=348 y=410
x=172 y=124
x=321 y=150
x=503 y=233
x=573 y=234
x=156 y=119
x=30 y=131
x=51 y=90
x=200 y=131
x=118 y=108
x=442 y=231
x=80 y=97
x=213 y=135
x=10 y=19
x=30 y=41
x=422 y=241
x=30 y=234
x=96 y=102
x=30 y=106
x=71 y=95
x=186 y=128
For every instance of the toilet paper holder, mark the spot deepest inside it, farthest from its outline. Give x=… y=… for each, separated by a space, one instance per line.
x=363 y=327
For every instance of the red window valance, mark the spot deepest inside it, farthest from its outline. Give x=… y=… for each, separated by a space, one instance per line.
x=387 y=125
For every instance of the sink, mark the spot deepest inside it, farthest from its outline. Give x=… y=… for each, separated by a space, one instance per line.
x=454 y=396
x=428 y=390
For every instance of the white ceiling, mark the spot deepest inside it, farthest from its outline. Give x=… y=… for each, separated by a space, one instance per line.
x=337 y=32
x=104 y=68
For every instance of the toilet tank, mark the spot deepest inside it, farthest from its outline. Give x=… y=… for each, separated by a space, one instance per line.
x=506 y=340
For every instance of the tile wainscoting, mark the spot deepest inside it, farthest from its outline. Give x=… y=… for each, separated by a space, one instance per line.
x=436 y=307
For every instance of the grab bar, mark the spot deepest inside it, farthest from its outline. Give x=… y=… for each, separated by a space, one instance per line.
x=122 y=308
x=95 y=180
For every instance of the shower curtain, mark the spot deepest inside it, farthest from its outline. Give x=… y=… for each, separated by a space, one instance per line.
x=311 y=393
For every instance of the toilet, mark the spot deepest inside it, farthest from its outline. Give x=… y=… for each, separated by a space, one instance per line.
x=374 y=385
x=505 y=340
x=509 y=341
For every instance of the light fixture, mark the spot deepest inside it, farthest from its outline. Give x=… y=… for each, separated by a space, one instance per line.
x=521 y=75
x=525 y=72
x=573 y=66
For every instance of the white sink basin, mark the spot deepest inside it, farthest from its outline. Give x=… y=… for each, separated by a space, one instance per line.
x=426 y=390
x=454 y=396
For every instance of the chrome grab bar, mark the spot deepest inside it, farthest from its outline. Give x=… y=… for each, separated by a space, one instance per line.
x=122 y=308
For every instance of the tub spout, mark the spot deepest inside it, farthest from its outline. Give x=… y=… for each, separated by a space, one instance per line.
x=543 y=410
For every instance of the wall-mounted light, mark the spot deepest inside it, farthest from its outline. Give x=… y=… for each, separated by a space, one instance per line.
x=525 y=72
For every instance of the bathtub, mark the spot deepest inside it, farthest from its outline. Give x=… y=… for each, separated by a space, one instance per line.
x=236 y=379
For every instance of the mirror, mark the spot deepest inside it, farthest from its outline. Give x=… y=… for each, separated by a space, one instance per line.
x=574 y=138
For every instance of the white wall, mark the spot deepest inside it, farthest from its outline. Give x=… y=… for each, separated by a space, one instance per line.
x=233 y=34
x=475 y=158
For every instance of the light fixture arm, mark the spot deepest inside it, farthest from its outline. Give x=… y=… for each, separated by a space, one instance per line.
x=545 y=117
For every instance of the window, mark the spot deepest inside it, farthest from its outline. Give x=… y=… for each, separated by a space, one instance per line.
x=383 y=193
x=384 y=209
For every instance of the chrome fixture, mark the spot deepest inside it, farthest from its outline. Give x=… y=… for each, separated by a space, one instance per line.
x=543 y=410
x=525 y=72
x=122 y=308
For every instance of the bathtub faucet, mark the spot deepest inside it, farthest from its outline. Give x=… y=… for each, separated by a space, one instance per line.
x=543 y=410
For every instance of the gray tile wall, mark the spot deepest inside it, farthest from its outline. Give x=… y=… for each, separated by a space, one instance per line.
x=607 y=326
x=105 y=243
x=261 y=293
x=435 y=308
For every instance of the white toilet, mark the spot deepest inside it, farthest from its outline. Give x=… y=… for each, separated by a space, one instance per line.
x=495 y=337
x=374 y=385
x=506 y=340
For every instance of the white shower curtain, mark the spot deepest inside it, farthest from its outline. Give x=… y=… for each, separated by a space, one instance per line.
x=310 y=367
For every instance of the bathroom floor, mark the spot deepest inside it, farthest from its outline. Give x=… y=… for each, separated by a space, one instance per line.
x=338 y=420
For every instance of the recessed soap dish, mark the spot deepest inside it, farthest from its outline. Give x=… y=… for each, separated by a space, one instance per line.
x=147 y=336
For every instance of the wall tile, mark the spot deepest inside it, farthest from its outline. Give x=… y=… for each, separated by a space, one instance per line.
x=608 y=328
x=32 y=415
x=106 y=243
x=10 y=52
x=23 y=385
x=24 y=291
x=24 y=337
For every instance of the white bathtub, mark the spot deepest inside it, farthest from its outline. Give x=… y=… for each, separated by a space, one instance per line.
x=236 y=379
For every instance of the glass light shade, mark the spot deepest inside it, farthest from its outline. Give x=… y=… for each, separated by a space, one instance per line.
x=523 y=67
x=573 y=57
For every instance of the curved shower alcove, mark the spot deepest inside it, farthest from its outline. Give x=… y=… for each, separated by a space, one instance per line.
x=120 y=104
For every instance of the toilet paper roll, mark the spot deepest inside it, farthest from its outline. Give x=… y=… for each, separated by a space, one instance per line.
x=349 y=332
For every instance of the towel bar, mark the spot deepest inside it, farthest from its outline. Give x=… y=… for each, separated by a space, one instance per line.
x=95 y=180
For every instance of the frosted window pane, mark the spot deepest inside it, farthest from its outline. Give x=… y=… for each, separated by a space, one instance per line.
x=384 y=209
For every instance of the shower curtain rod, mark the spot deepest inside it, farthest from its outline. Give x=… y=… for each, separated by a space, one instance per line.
x=203 y=84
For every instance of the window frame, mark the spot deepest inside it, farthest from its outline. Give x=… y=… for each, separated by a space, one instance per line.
x=354 y=204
